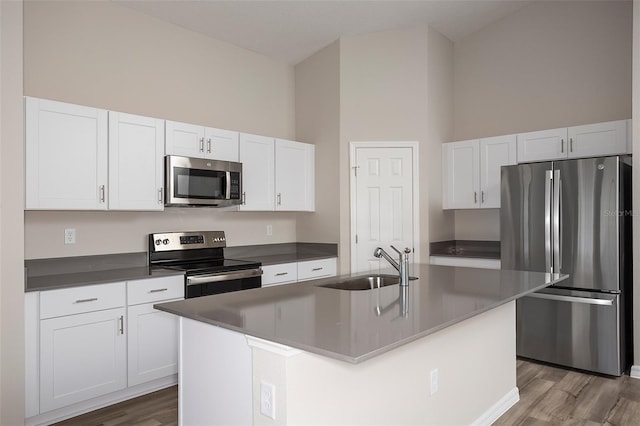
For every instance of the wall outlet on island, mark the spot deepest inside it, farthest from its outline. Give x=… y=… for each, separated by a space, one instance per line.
x=268 y=400
x=434 y=381
x=269 y=230
x=70 y=236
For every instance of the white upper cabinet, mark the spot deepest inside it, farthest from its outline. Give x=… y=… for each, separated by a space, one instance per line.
x=65 y=157
x=494 y=153
x=591 y=140
x=542 y=145
x=461 y=162
x=277 y=174
x=257 y=156
x=295 y=176
x=471 y=171
x=136 y=152
x=190 y=140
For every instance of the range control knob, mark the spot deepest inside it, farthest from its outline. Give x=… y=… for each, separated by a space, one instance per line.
x=165 y=241
x=158 y=242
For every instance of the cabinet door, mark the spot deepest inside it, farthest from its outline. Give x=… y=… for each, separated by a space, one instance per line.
x=462 y=176
x=184 y=139
x=65 y=156
x=221 y=144
x=598 y=139
x=152 y=343
x=494 y=153
x=81 y=356
x=136 y=152
x=543 y=145
x=257 y=158
x=295 y=176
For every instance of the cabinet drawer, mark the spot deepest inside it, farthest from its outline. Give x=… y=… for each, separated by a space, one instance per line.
x=76 y=300
x=279 y=274
x=316 y=269
x=155 y=289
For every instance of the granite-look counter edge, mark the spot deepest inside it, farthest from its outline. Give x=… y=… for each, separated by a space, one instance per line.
x=354 y=326
x=466 y=248
x=56 y=273
x=273 y=254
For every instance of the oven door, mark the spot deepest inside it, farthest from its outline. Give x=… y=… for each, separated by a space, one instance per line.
x=223 y=282
x=200 y=182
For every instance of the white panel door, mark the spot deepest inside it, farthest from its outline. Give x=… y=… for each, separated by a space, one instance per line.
x=184 y=139
x=65 y=156
x=152 y=343
x=494 y=153
x=593 y=140
x=384 y=204
x=462 y=175
x=257 y=156
x=543 y=145
x=221 y=144
x=81 y=356
x=294 y=176
x=136 y=153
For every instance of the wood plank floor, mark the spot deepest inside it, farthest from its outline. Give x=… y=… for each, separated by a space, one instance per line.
x=548 y=396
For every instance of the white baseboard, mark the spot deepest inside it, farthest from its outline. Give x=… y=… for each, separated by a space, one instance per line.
x=499 y=408
x=635 y=372
x=100 y=402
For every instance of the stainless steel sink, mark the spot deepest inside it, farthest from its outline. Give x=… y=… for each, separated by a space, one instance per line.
x=365 y=282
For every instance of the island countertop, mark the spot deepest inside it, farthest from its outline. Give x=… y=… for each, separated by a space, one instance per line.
x=354 y=326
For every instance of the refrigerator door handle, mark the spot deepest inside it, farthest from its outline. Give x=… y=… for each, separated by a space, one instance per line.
x=584 y=300
x=547 y=221
x=557 y=255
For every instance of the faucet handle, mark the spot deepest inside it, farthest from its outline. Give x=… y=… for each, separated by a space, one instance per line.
x=396 y=250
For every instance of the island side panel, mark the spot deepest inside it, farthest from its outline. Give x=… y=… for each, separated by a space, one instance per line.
x=475 y=359
x=214 y=385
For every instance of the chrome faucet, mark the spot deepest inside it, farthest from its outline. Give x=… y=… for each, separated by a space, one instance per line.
x=402 y=265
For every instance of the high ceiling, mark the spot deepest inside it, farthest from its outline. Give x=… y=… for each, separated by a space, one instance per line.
x=292 y=30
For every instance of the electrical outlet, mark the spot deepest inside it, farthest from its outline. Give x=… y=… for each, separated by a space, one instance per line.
x=434 y=381
x=70 y=236
x=269 y=230
x=268 y=400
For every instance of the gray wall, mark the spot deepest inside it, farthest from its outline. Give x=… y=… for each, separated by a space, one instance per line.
x=548 y=65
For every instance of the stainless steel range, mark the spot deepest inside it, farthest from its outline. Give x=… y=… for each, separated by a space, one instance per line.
x=201 y=256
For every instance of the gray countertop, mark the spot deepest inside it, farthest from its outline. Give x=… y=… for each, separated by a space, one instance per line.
x=354 y=326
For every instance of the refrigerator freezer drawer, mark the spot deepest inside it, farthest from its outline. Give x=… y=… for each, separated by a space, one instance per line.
x=570 y=328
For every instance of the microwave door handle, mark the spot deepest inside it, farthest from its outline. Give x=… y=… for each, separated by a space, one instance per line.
x=228 y=186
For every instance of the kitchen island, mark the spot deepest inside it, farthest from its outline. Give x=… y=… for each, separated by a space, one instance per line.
x=440 y=351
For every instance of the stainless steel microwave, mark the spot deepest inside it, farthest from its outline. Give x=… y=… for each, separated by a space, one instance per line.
x=201 y=182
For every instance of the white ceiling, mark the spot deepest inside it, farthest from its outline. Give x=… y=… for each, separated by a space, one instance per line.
x=292 y=30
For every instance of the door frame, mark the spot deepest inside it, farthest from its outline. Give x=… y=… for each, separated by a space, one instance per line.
x=413 y=145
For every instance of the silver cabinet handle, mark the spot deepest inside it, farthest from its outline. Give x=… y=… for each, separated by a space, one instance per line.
x=201 y=144
x=157 y=290
x=561 y=145
x=279 y=274
x=102 y=194
x=121 y=324
x=482 y=197
x=279 y=198
x=317 y=269
x=93 y=299
x=160 y=196
x=475 y=197
x=209 y=145
x=570 y=144
x=244 y=198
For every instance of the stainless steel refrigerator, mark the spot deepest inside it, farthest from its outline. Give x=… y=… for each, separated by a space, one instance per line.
x=572 y=217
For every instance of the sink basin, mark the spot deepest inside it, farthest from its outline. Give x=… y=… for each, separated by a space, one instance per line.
x=366 y=282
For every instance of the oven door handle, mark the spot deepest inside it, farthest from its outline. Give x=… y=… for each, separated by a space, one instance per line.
x=225 y=276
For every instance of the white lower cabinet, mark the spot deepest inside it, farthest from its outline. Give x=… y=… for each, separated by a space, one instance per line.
x=81 y=356
x=285 y=273
x=93 y=341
